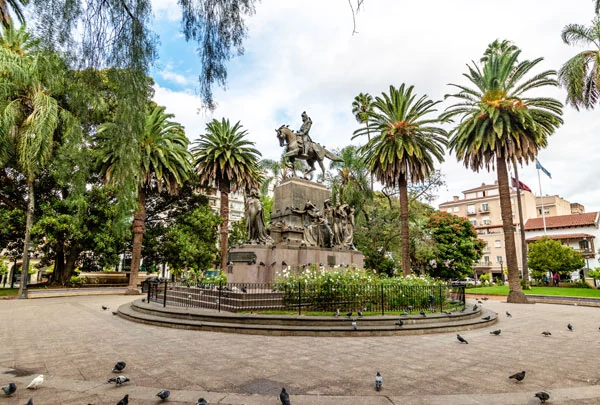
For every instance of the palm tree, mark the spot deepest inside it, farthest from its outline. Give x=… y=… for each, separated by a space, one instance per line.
x=361 y=107
x=224 y=157
x=351 y=184
x=580 y=75
x=29 y=116
x=161 y=161
x=16 y=6
x=406 y=144
x=497 y=123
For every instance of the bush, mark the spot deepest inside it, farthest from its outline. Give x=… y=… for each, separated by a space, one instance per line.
x=75 y=280
x=485 y=277
x=3 y=268
x=576 y=284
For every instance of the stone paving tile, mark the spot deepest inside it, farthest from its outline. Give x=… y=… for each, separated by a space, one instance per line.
x=74 y=343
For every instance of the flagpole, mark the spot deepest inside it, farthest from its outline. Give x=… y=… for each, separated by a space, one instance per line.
x=542 y=200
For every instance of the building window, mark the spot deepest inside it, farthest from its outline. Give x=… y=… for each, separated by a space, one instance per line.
x=470 y=209
x=449 y=210
x=486 y=221
x=486 y=259
x=455 y=209
x=499 y=259
x=474 y=222
x=497 y=243
x=484 y=207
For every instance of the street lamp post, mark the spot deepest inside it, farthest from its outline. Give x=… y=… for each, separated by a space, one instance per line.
x=587 y=262
x=501 y=266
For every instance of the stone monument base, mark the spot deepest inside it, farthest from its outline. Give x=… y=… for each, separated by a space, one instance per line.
x=261 y=263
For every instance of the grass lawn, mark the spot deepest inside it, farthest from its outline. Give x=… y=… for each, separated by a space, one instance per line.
x=8 y=291
x=556 y=291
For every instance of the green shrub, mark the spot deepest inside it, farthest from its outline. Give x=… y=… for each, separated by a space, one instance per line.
x=75 y=280
x=3 y=268
x=485 y=277
x=577 y=284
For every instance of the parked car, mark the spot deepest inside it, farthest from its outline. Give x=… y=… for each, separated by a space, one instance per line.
x=472 y=281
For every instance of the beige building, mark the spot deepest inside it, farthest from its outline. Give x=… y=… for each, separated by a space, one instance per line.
x=554 y=205
x=236 y=204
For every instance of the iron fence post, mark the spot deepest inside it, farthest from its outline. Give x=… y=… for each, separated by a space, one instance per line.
x=441 y=300
x=299 y=298
x=219 y=299
x=165 y=295
x=382 y=300
x=149 y=288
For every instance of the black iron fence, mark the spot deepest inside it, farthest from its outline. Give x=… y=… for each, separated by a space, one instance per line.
x=301 y=297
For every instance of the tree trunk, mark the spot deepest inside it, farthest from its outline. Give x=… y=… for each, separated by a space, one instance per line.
x=139 y=223
x=59 y=264
x=515 y=294
x=224 y=188
x=521 y=228
x=71 y=258
x=28 y=225
x=403 y=189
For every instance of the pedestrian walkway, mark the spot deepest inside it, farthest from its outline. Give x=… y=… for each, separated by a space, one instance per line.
x=75 y=343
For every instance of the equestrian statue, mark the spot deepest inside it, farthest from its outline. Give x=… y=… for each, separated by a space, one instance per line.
x=300 y=146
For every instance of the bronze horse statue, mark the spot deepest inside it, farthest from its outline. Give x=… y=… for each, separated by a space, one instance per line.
x=315 y=152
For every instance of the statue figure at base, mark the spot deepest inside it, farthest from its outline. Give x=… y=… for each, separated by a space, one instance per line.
x=255 y=219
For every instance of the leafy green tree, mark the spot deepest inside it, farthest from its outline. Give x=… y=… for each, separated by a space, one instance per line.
x=408 y=141
x=551 y=255
x=225 y=158
x=361 y=107
x=16 y=6
x=580 y=75
x=30 y=115
x=457 y=246
x=498 y=122
x=595 y=274
x=190 y=241
x=164 y=162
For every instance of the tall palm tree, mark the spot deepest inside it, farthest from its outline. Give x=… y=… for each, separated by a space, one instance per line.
x=498 y=122
x=29 y=115
x=580 y=75
x=350 y=185
x=361 y=107
x=405 y=147
x=225 y=158
x=16 y=6
x=161 y=161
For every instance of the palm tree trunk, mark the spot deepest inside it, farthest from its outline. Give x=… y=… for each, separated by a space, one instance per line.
x=403 y=188
x=224 y=189
x=139 y=224
x=368 y=140
x=28 y=225
x=515 y=294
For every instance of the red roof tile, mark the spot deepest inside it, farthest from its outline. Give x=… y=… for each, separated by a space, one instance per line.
x=562 y=221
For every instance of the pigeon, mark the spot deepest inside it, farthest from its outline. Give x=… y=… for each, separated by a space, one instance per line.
x=284 y=397
x=461 y=339
x=543 y=396
x=485 y=298
x=30 y=402
x=487 y=318
x=163 y=394
x=119 y=367
x=118 y=379
x=201 y=401
x=475 y=307
x=410 y=307
x=115 y=313
x=354 y=324
x=336 y=313
x=570 y=327
x=36 y=382
x=518 y=376
x=104 y=307
x=400 y=322
x=244 y=289
x=378 y=381
x=405 y=312
x=422 y=313
x=546 y=333
x=448 y=312
x=479 y=302
x=124 y=401
x=464 y=309
x=10 y=389
x=508 y=315
x=349 y=314
x=496 y=332
x=360 y=314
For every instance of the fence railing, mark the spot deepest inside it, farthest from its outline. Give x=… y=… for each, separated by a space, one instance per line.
x=300 y=297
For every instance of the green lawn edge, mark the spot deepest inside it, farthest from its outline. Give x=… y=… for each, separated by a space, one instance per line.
x=551 y=291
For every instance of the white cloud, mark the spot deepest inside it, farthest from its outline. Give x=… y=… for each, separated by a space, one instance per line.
x=166 y=10
x=301 y=55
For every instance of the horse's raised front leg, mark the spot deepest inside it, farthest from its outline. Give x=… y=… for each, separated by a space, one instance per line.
x=309 y=169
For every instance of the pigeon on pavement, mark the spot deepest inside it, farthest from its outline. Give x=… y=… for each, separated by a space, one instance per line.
x=349 y=314
x=405 y=312
x=124 y=401
x=104 y=307
x=570 y=327
x=487 y=318
x=400 y=322
x=546 y=333
x=475 y=307
x=543 y=396
x=461 y=339
x=201 y=401
x=422 y=313
x=30 y=402
x=284 y=397
x=115 y=313
x=10 y=389
x=496 y=332
x=120 y=379
x=464 y=309
x=354 y=324
x=36 y=382
x=508 y=315
x=337 y=312
x=119 y=367
x=378 y=381
x=163 y=394
x=360 y=314
x=518 y=376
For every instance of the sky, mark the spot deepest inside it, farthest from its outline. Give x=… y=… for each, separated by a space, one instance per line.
x=302 y=55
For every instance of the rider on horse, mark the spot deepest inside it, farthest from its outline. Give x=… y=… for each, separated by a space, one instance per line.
x=303 y=133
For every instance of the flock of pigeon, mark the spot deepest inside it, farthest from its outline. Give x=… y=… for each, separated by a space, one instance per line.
x=284 y=397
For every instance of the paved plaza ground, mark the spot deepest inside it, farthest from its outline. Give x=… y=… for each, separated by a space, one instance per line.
x=74 y=343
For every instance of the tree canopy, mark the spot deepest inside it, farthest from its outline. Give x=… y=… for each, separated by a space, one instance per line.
x=551 y=255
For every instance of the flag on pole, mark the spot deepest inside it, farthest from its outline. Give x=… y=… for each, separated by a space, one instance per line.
x=522 y=185
x=540 y=167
